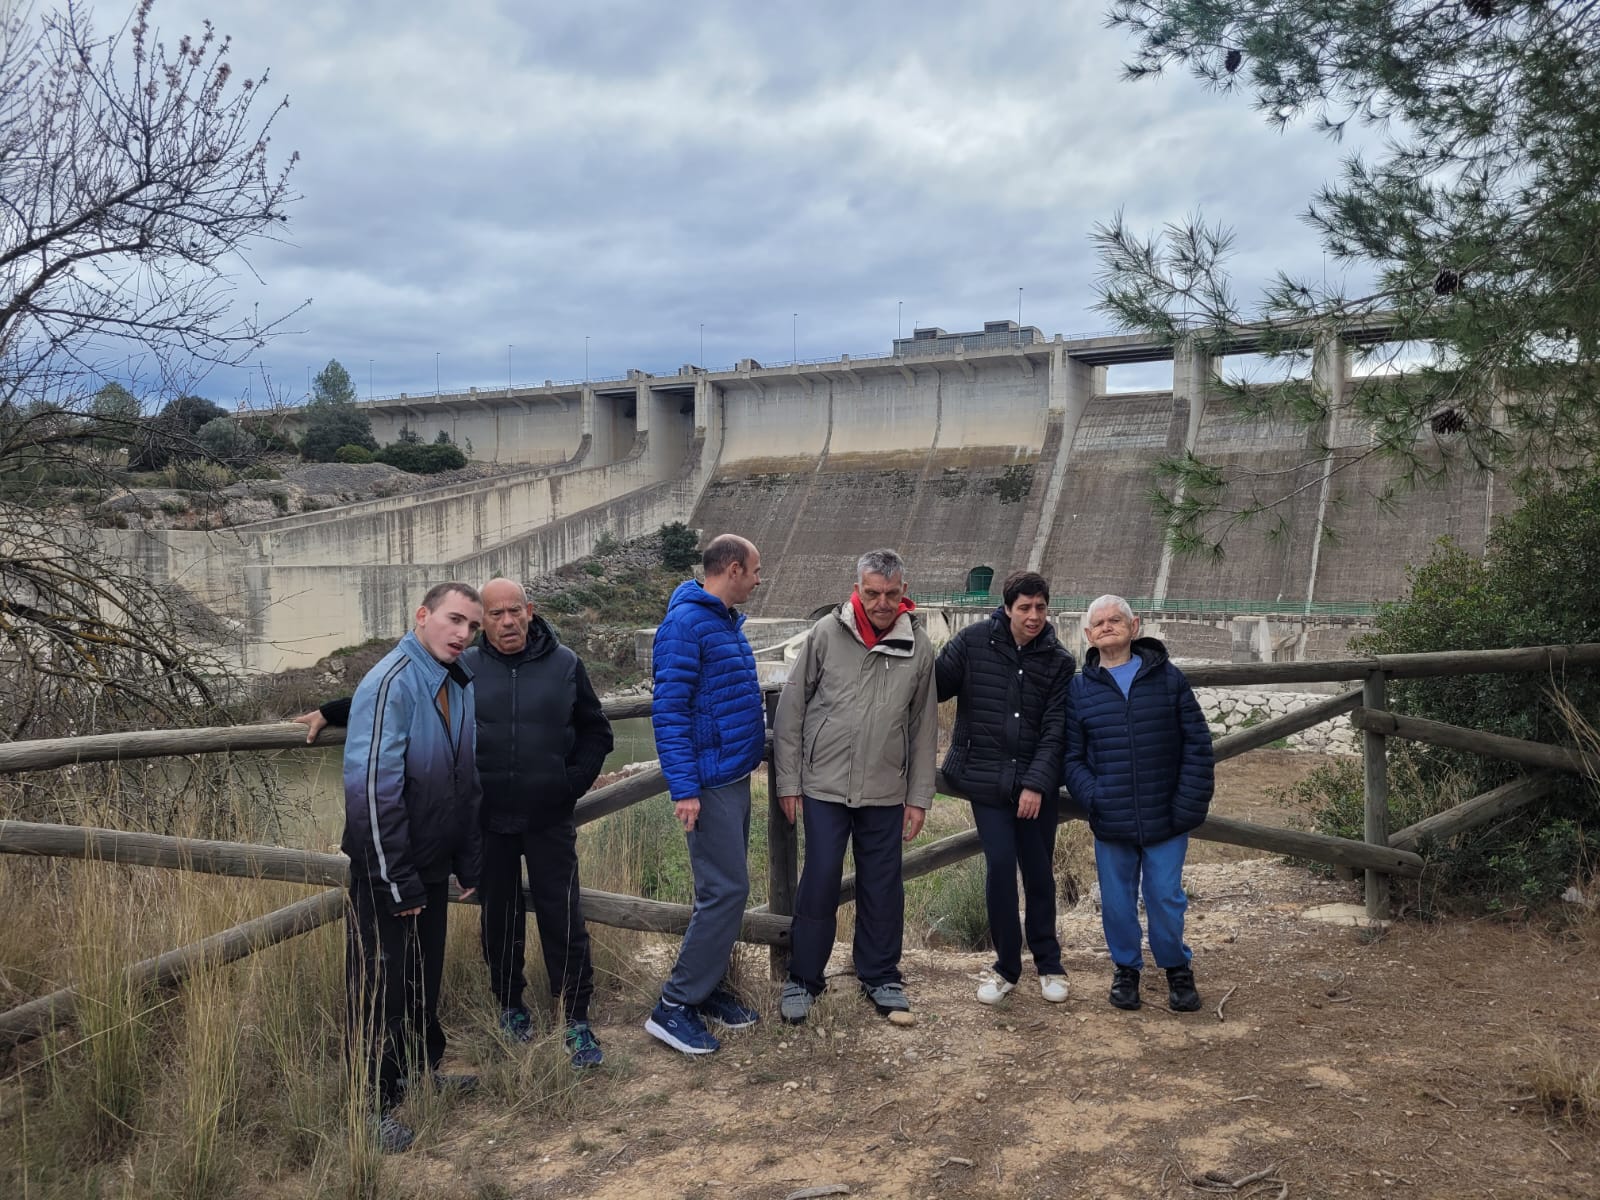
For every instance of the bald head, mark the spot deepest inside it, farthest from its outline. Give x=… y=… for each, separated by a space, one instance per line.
x=506 y=615
x=733 y=568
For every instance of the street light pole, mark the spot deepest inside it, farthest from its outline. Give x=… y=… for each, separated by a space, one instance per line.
x=586 y=358
x=369 y=381
x=508 y=368
x=435 y=372
x=899 y=309
x=794 y=345
x=1019 y=316
x=702 y=344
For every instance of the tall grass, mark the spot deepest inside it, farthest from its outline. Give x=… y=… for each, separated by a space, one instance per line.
x=239 y=1080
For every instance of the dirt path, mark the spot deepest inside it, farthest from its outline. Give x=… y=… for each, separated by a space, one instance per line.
x=1348 y=1065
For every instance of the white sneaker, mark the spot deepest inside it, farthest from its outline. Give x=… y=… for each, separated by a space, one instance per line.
x=994 y=989
x=1053 y=987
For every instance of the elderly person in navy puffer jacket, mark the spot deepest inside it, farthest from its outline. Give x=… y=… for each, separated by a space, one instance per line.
x=1139 y=762
x=710 y=728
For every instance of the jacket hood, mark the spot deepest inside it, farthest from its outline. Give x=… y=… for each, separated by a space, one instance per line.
x=692 y=591
x=541 y=640
x=1000 y=629
x=1153 y=651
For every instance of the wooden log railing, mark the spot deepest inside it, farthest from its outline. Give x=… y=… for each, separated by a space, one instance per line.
x=1380 y=853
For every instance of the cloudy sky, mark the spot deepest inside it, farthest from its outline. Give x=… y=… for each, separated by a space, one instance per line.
x=793 y=177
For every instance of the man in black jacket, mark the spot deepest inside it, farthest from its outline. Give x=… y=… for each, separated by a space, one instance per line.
x=542 y=740
x=1009 y=677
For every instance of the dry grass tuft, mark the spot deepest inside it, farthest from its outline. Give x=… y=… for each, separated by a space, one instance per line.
x=1567 y=1082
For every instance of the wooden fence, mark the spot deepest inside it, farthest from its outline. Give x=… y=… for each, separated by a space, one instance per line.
x=1380 y=854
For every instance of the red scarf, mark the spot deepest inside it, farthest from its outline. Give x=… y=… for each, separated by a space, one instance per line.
x=864 y=627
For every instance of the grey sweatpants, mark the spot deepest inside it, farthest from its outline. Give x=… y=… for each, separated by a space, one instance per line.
x=719 y=857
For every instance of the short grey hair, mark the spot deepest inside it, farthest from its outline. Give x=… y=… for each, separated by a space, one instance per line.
x=881 y=562
x=1116 y=602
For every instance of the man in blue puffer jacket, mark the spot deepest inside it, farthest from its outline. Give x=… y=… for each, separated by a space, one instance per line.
x=1139 y=762
x=710 y=729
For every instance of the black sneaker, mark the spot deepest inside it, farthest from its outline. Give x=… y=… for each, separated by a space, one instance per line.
x=391 y=1133
x=1181 y=994
x=1125 y=988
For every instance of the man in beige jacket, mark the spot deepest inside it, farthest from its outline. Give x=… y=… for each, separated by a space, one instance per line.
x=854 y=747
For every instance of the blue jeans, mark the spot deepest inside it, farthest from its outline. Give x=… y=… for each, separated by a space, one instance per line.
x=874 y=834
x=1011 y=843
x=1124 y=868
x=719 y=857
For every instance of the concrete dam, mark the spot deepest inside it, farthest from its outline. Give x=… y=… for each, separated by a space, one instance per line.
x=994 y=449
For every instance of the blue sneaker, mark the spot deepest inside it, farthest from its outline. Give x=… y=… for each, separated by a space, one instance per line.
x=681 y=1028
x=723 y=1008
x=583 y=1046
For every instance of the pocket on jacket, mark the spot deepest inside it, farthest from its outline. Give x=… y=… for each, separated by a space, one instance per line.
x=816 y=740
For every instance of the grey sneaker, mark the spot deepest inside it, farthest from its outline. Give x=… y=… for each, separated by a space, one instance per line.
x=889 y=999
x=796 y=1004
x=391 y=1133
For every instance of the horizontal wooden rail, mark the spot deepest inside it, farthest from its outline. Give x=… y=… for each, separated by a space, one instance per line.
x=1319 y=847
x=1399 y=666
x=1507 y=798
x=282 y=865
x=45 y=753
x=28 y=1021
x=1235 y=744
x=1476 y=741
x=237 y=859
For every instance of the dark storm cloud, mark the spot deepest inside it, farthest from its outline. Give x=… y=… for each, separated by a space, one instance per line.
x=494 y=174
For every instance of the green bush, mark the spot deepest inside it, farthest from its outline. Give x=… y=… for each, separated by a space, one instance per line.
x=606 y=543
x=352 y=454
x=421 y=460
x=1537 y=584
x=272 y=439
x=951 y=904
x=332 y=425
x=679 y=546
x=227 y=441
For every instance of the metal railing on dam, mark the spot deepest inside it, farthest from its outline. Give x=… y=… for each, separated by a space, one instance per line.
x=1147 y=604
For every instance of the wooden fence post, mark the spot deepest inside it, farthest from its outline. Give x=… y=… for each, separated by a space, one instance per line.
x=782 y=851
x=1375 y=757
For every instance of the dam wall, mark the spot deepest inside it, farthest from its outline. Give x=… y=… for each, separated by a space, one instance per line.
x=999 y=452
x=294 y=589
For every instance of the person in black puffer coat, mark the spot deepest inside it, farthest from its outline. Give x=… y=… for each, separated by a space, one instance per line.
x=1139 y=761
x=1009 y=678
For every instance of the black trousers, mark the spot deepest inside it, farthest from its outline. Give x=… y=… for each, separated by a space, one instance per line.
x=392 y=970
x=1011 y=843
x=874 y=834
x=552 y=857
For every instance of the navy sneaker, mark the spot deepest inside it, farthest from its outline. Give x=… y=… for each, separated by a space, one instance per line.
x=681 y=1028
x=723 y=1008
x=583 y=1046
x=517 y=1024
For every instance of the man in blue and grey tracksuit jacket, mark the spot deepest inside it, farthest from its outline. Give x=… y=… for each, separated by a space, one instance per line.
x=1140 y=763
x=411 y=820
x=710 y=728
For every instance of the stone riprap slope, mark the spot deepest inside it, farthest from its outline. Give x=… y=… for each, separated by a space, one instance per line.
x=1230 y=710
